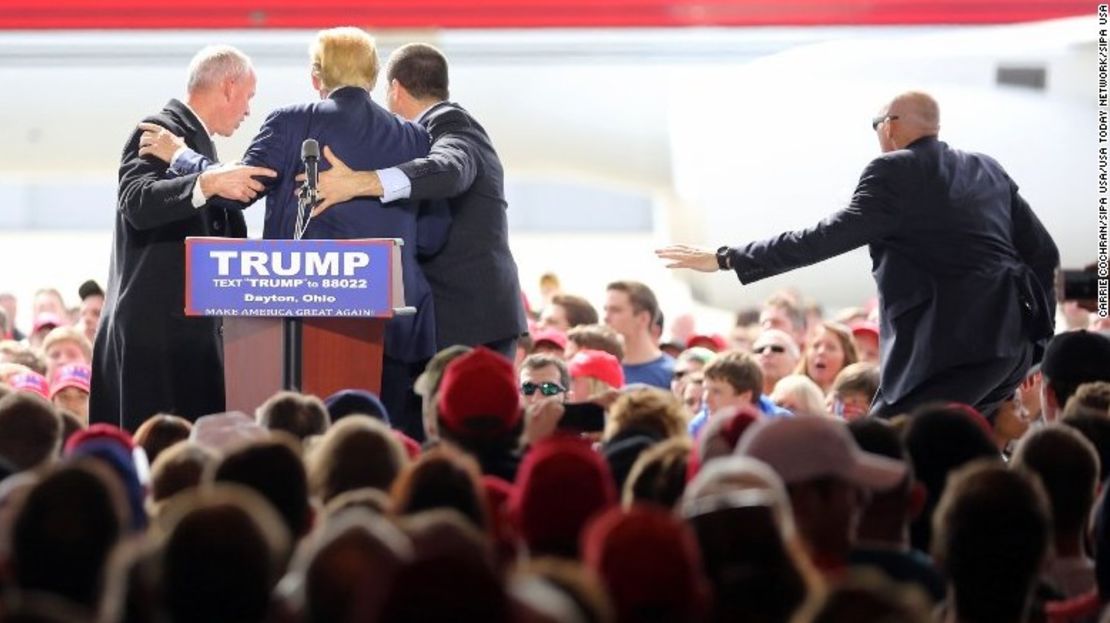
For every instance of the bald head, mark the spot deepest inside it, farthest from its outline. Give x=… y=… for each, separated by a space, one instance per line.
x=917 y=109
x=908 y=117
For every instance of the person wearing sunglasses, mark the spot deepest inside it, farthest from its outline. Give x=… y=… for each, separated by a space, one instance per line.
x=543 y=376
x=777 y=354
x=963 y=267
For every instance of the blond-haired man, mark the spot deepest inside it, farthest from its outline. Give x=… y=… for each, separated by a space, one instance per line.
x=344 y=68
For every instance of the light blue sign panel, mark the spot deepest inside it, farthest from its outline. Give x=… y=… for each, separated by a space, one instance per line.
x=293 y=278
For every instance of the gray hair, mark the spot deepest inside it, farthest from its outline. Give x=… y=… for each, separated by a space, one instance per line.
x=215 y=63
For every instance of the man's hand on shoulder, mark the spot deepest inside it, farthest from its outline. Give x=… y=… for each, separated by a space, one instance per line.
x=159 y=142
x=340 y=183
x=233 y=181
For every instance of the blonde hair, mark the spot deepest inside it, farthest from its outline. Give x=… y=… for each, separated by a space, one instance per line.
x=68 y=334
x=595 y=387
x=344 y=56
x=653 y=411
x=804 y=390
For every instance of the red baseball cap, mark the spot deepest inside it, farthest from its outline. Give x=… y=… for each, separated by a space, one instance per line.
x=30 y=382
x=599 y=365
x=713 y=342
x=478 y=395
x=100 y=432
x=412 y=448
x=76 y=375
x=46 y=319
x=552 y=336
x=561 y=484
x=865 y=327
x=648 y=560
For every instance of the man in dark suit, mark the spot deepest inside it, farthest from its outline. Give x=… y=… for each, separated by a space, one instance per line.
x=148 y=356
x=474 y=277
x=963 y=267
x=345 y=67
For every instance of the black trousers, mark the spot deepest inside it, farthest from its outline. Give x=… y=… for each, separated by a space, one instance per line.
x=983 y=385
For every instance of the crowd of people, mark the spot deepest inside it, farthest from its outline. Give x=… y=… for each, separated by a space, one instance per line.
x=732 y=476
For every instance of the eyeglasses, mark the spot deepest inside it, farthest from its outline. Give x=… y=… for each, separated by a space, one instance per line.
x=547 y=389
x=774 y=348
x=881 y=118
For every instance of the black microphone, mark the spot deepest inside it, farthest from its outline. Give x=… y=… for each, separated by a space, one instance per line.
x=310 y=155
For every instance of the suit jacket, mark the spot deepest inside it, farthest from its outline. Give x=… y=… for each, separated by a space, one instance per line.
x=148 y=356
x=964 y=268
x=365 y=136
x=474 y=277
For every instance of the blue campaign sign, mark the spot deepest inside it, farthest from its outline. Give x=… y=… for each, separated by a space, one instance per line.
x=239 y=277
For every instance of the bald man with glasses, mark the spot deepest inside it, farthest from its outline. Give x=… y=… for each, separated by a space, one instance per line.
x=963 y=266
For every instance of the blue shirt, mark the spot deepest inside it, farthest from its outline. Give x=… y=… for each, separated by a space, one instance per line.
x=657 y=373
x=764 y=404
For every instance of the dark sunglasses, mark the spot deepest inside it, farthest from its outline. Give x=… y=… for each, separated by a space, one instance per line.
x=547 y=389
x=774 y=348
x=881 y=118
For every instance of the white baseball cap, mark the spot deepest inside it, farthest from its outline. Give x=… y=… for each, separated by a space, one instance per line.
x=225 y=431
x=808 y=447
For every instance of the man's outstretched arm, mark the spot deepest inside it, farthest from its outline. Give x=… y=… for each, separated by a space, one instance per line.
x=871 y=215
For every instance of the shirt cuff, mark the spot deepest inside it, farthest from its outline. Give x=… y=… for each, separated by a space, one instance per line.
x=395 y=184
x=198 y=197
x=176 y=157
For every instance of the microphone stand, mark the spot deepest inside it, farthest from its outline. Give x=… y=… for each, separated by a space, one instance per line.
x=306 y=201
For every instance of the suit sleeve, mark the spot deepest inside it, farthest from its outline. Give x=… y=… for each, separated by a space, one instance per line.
x=433 y=223
x=452 y=164
x=265 y=150
x=1035 y=245
x=149 y=195
x=272 y=149
x=190 y=162
x=1033 y=242
x=871 y=215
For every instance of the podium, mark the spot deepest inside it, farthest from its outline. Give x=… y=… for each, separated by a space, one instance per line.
x=302 y=315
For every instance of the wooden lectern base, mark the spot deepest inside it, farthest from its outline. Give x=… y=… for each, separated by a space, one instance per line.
x=261 y=357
